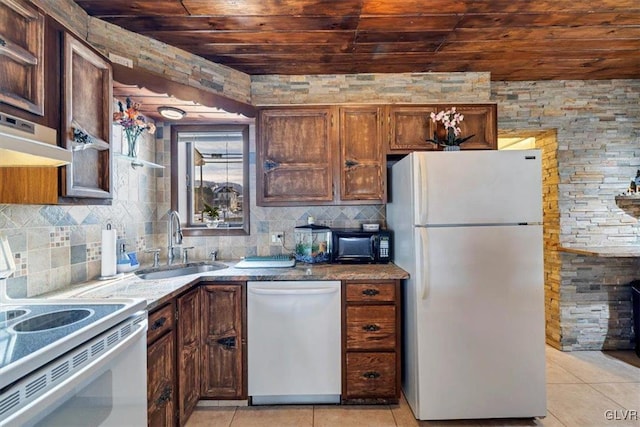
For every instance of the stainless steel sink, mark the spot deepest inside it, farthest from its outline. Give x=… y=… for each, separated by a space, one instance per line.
x=176 y=271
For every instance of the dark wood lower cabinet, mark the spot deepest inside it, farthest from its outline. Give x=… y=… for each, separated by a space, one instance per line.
x=161 y=386
x=223 y=342
x=197 y=348
x=161 y=368
x=371 y=342
x=371 y=375
x=189 y=355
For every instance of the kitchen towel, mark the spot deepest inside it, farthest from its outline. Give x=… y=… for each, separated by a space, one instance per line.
x=108 y=252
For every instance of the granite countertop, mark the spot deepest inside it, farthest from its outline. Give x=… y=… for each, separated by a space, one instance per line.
x=157 y=292
x=605 y=251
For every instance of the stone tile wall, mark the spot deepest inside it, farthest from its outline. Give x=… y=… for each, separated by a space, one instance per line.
x=411 y=88
x=548 y=143
x=595 y=302
x=598 y=136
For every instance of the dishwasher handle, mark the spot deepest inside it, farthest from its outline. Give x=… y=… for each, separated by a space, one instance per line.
x=292 y=291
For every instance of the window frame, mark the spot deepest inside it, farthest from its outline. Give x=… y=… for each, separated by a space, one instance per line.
x=175 y=189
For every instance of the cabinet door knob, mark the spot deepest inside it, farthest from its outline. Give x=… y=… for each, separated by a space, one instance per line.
x=371 y=328
x=370 y=292
x=158 y=323
x=371 y=375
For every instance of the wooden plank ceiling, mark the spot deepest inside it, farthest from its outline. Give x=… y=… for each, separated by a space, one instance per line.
x=512 y=39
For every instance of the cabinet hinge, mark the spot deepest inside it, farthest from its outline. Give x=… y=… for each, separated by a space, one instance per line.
x=177 y=313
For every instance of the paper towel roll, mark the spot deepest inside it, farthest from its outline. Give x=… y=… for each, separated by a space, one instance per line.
x=108 y=253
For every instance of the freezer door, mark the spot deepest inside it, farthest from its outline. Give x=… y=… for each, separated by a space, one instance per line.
x=480 y=322
x=478 y=187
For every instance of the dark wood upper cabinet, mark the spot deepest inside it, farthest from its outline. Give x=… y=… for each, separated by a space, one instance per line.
x=77 y=96
x=321 y=155
x=22 y=53
x=362 y=162
x=296 y=149
x=410 y=126
x=87 y=95
x=481 y=121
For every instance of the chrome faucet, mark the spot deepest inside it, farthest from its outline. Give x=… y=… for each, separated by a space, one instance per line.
x=174 y=235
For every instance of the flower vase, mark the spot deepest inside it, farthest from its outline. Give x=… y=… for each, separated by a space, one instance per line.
x=451 y=148
x=132 y=143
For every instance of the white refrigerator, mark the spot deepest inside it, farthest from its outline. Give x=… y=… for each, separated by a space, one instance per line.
x=468 y=228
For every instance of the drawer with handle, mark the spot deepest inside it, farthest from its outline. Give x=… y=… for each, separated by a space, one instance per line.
x=371 y=327
x=371 y=292
x=371 y=374
x=160 y=321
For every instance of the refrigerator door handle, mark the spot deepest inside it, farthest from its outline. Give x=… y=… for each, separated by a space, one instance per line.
x=424 y=261
x=421 y=209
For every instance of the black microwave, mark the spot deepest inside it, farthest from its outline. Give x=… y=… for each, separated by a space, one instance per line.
x=360 y=247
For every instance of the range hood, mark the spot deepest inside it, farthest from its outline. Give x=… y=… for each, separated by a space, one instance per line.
x=23 y=143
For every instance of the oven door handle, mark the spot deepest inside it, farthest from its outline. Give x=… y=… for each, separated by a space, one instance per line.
x=54 y=395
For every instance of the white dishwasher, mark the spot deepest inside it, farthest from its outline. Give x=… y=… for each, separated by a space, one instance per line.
x=293 y=340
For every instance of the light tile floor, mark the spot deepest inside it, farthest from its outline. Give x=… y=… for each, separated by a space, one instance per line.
x=584 y=388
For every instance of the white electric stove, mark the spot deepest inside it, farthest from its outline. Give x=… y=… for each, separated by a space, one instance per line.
x=65 y=359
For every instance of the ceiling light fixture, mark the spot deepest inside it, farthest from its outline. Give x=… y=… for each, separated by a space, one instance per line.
x=171 y=113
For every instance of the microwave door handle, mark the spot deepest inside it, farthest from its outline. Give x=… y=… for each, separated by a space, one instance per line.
x=373 y=247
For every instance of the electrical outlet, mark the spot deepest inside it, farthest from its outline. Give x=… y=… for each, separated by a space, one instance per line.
x=277 y=237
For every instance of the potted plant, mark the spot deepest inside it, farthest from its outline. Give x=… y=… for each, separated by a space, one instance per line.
x=211 y=215
x=450 y=119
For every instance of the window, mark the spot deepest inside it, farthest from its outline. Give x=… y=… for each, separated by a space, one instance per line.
x=211 y=177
